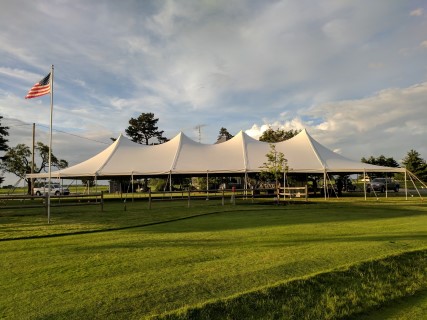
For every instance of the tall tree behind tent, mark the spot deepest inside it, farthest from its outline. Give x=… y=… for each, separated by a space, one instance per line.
x=278 y=135
x=144 y=128
x=417 y=165
x=223 y=136
x=381 y=161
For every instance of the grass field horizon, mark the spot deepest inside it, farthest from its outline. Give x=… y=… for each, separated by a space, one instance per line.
x=140 y=263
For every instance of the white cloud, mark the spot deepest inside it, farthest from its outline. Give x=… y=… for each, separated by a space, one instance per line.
x=417 y=12
x=391 y=122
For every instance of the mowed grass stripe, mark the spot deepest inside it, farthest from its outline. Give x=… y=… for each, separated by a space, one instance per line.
x=140 y=272
x=331 y=295
x=411 y=307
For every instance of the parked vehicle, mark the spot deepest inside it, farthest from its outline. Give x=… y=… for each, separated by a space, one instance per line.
x=381 y=184
x=55 y=189
x=349 y=186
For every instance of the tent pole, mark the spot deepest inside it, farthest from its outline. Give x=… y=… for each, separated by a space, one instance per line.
x=170 y=182
x=386 y=186
x=324 y=183
x=207 y=185
x=246 y=185
x=411 y=175
x=364 y=183
x=406 y=186
x=96 y=186
x=132 y=187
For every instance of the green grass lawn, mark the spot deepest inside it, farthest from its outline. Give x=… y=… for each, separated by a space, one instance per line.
x=129 y=265
x=410 y=308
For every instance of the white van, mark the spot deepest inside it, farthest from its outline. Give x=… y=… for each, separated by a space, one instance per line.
x=55 y=189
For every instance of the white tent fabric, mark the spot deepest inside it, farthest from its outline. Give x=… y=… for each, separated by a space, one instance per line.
x=182 y=155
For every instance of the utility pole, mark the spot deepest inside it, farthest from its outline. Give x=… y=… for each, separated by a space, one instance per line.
x=198 y=128
x=32 y=159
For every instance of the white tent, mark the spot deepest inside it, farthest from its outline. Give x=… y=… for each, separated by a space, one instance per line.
x=182 y=155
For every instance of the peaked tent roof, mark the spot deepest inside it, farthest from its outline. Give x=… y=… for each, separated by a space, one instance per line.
x=182 y=155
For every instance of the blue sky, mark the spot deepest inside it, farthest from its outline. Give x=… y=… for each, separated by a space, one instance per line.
x=353 y=73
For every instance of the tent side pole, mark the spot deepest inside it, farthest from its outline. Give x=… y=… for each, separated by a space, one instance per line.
x=170 y=183
x=386 y=186
x=406 y=186
x=96 y=186
x=132 y=187
x=324 y=183
x=207 y=185
x=364 y=183
x=412 y=177
x=246 y=185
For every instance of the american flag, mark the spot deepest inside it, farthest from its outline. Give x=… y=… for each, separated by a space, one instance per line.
x=40 y=88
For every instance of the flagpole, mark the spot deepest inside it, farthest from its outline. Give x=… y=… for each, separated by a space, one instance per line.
x=50 y=145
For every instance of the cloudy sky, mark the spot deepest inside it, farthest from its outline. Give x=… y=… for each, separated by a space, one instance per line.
x=353 y=73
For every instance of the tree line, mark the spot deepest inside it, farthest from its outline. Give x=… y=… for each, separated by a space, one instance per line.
x=412 y=162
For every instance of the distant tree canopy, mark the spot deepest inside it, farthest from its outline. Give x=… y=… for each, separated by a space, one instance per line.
x=18 y=161
x=89 y=182
x=381 y=161
x=278 y=135
x=3 y=142
x=417 y=165
x=224 y=134
x=143 y=128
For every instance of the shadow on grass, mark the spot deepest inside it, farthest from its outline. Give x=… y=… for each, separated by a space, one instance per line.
x=409 y=307
x=213 y=218
x=331 y=295
x=288 y=216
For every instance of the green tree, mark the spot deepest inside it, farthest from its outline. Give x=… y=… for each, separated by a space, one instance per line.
x=89 y=181
x=417 y=165
x=278 y=135
x=224 y=134
x=275 y=166
x=3 y=143
x=17 y=161
x=144 y=128
x=381 y=161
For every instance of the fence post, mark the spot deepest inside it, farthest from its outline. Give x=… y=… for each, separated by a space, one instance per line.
x=306 y=193
x=222 y=196
x=189 y=197
x=149 y=198
x=102 y=201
